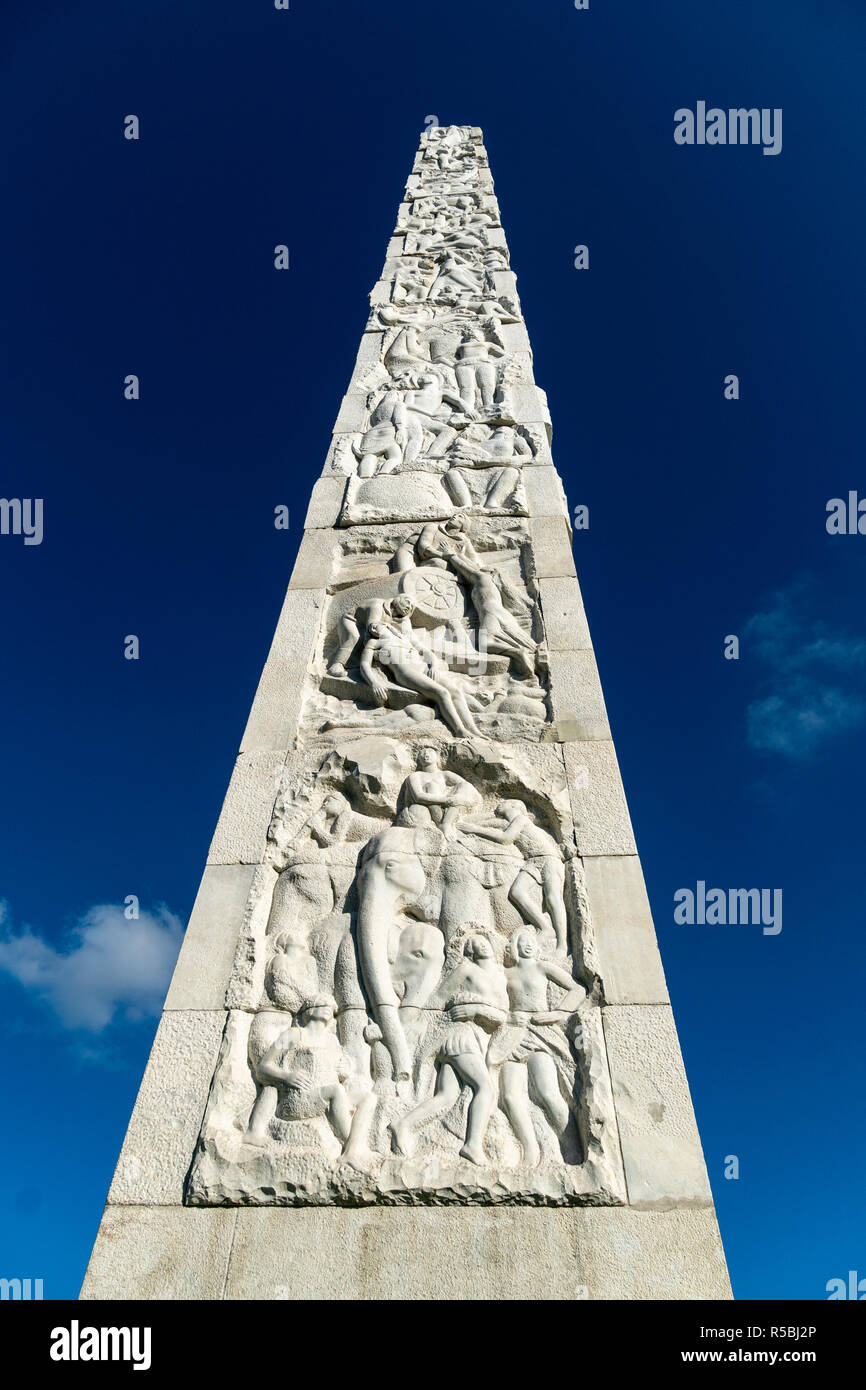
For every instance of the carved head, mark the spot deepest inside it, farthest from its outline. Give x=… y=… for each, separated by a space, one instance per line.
x=511 y=808
x=335 y=804
x=320 y=1006
x=477 y=947
x=523 y=944
x=288 y=941
x=402 y=606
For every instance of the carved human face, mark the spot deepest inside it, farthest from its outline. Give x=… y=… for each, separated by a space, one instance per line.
x=403 y=606
x=428 y=758
x=332 y=806
x=321 y=1009
x=478 y=948
x=526 y=945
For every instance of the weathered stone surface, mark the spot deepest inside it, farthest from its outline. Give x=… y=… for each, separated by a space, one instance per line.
x=628 y=955
x=297 y=628
x=158 y=1253
x=576 y=698
x=477 y=1254
x=483 y=870
x=565 y=625
x=545 y=494
x=664 y=1163
x=156 y=1152
x=210 y=941
x=315 y=560
x=551 y=548
x=275 y=710
x=601 y=818
x=325 y=503
x=240 y=834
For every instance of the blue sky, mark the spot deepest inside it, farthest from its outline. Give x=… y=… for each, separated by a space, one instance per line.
x=707 y=516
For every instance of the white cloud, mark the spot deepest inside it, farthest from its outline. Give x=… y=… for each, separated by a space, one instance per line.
x=814 y=688
x=112 y=965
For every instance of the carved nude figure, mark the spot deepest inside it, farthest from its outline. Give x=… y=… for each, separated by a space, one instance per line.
x=454 y=276
x=428 y=406
x=512 y=825
x=292 y=974
x=499 y=631
x=390 y=878
x=415 y=666
x=532 y=1048
x=475 y=999
x=446 y=795
x=505 y=448
x=398 y=610
x=476 y=372
x=306 y=890
x=308 y=1068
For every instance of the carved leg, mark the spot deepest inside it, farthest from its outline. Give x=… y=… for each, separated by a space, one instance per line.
x=485 y=375
x=349 y=634
x=446 y=1094
x=553 y=886
x=502 y=487
x=466 y=384
x=514 y=1098
x=522 y=895
x=391 y=457
x=262 y=1113
x=456 y=487
x=356 y=1150
x=473 y=1070
x=445 y=436
x=544 y=1082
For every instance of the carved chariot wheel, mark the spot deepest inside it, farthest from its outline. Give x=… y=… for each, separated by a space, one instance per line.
x=433 y=592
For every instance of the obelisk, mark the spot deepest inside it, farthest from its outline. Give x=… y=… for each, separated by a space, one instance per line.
x=418 y=1043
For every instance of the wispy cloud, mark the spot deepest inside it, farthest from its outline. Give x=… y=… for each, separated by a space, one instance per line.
x=111 y=967
x=815 y=684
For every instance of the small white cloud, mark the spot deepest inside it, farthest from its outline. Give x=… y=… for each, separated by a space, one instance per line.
x=112 y=966
x=798 y=721
x=814 y=687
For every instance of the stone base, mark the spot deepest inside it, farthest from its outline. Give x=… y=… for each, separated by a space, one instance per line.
x=475 y=1254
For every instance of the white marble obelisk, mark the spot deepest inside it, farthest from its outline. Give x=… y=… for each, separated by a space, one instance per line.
x=418 y=1043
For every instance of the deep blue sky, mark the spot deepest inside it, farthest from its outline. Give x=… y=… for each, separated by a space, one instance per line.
x=156 y=257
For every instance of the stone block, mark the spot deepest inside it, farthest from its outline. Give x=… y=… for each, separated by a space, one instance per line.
x=297 y=629
x=352 y=415
x=622 y=922
x=210 y=941
x=246 y=814
x=325 y=503
x=565 y=624
x=171 y=1253
x=276 y=709
x=602 y=821
x=576 y=698
x=545 y=495
x=664 y=1162
x=551 y=546
x=165 y=1122
x=314 y=564
x=476 y=1254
